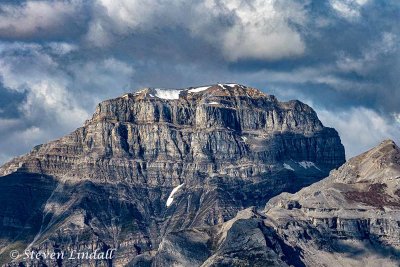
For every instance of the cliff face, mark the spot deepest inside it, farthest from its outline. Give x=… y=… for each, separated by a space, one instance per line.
x=351 y=218
x=106 y=184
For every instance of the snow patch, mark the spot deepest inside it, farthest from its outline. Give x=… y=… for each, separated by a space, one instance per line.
x=198 y=89
x=213 y=103
x=170 y=198
x=168 y=93
x=244 y=138
x=287 y=166
x=151 y=95
x=140 y=91
x=308 y=164
x=230 y=85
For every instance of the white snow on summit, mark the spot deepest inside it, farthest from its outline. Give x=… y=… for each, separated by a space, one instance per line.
x=168 y=93
x=230 y=85
x=170 y=198
x=172 y=94
x=140 y=91
x=198 y=89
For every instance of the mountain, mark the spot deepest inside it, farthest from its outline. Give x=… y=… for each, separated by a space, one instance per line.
x=159 y=161
x=351 y=218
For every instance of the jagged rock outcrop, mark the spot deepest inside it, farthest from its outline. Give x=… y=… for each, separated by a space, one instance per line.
x=106 y=184
x=244 y=240
x=351 y=218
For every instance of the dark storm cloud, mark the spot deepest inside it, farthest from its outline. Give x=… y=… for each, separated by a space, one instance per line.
x=59 y=58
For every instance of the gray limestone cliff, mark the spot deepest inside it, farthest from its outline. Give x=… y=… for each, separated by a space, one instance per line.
x=351 y=218
x=109 y=184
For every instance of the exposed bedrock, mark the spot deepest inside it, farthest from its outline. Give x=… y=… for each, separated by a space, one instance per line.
x=107 y=183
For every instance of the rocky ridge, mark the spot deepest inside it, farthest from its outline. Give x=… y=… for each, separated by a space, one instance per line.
x=226 y=146
x=351 y=218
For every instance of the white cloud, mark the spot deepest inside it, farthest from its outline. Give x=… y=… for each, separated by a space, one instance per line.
x=324 y=74
x=59 y=95
x=397 y=117
x=35 y=17
x=97 y=35
x=261 y=29
x=60 y=91
x=51 y=96
x=349 y=9
x=240 y=29
x=128 y=13
x=360 y=128
x=124 y=17
x=22 y=66
x=49 y=109
x=62 y=48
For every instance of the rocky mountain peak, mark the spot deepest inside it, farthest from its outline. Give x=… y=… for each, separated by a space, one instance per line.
x=156 y=161
x=228 y=106
x=380 y=164
x=207 y=91
x=356 y=208
x=386 y=154
x=372 y=179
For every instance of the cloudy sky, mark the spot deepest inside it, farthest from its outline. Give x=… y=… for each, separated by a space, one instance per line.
x=58 y=59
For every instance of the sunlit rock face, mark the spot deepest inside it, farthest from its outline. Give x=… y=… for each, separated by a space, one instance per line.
x=223 y=147
x=351 y=218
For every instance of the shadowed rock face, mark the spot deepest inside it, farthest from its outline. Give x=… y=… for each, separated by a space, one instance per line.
x=351 y=218
x=106 y=184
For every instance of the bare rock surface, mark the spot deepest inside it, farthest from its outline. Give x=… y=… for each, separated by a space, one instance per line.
x=351 y=218
x=219 y=149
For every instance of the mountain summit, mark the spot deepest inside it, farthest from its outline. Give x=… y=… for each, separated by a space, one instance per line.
x=156 y=161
